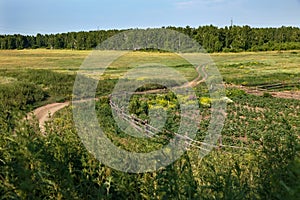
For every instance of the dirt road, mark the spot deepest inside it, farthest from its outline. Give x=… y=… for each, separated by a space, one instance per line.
x=277 y=94
x=45 y=113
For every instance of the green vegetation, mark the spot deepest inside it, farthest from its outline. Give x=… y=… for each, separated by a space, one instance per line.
x=260 y=68
x=265 y=130
x=213 y=39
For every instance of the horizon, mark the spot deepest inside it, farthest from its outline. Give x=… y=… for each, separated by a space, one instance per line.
x=144 y=28
x=53 y=16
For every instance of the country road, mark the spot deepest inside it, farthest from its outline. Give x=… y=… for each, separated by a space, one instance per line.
x=45 y=113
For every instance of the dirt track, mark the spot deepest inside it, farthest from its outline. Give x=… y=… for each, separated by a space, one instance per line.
x=45 y=113
x=279 y=94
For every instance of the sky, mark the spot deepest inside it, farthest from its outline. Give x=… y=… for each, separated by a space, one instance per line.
x=30 y=17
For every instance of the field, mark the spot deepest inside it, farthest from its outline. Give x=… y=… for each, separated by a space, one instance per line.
x=259 y=68
x=269 y=67
x=256 y=157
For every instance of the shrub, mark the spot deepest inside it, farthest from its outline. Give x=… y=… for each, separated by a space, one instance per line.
x=267 y=95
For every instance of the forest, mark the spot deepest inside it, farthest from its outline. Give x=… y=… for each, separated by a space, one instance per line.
x=211 y=38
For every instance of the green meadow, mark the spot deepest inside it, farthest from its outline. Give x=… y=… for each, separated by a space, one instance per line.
x=256 y=157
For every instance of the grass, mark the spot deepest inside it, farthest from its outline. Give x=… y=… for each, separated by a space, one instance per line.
x=6 y=80
x=255 y=68
x=271 y=67
x=62 y=60
x=131 y=60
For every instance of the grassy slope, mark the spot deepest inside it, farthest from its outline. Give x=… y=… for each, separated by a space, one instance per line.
x=268 y=66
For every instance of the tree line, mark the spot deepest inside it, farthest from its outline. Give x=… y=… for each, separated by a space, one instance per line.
x=212 y=38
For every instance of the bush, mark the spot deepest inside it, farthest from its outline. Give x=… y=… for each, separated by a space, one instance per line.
x=235 y=93
x=267 y=95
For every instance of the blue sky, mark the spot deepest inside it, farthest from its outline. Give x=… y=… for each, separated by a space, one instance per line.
x=52 y=16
